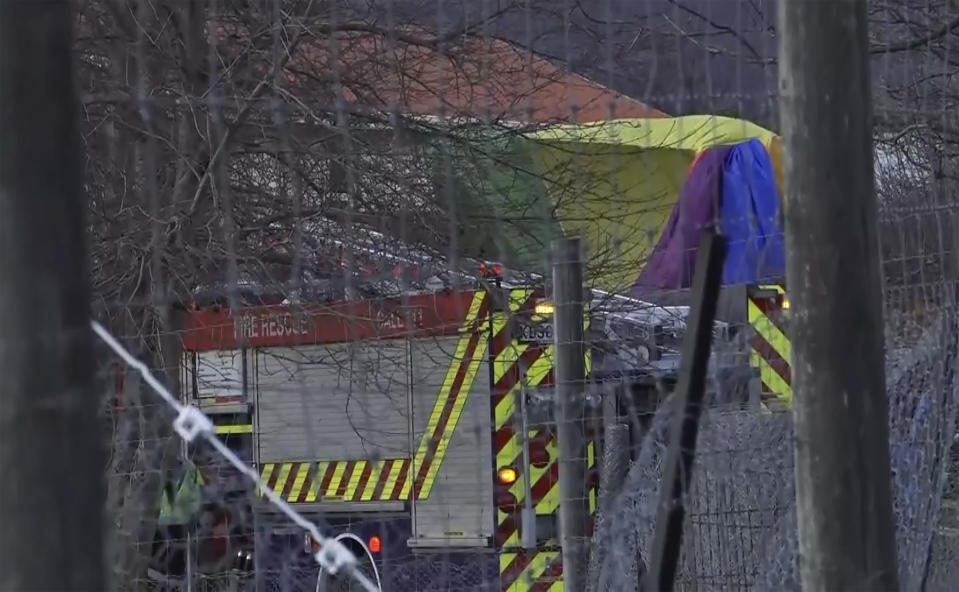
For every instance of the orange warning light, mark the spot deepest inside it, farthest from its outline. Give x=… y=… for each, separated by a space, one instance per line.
x=375 y=544
x=506 y=475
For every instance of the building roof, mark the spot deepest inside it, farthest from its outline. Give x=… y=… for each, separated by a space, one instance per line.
x=473 y=77
x=411 y=71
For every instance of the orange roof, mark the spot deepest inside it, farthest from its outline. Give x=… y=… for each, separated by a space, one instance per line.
x=476 y=77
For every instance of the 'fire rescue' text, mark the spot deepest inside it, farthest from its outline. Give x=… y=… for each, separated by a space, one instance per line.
x=271 y=325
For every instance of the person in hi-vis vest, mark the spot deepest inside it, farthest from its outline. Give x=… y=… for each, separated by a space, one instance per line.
x=181 y=501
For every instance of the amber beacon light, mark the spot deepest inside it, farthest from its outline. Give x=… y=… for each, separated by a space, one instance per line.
x=506 y=476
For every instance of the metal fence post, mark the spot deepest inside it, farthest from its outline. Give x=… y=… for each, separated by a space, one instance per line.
x=687 y=406
x=570 y=382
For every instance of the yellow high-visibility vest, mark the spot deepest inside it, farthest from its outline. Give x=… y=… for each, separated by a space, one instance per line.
x=186 y=500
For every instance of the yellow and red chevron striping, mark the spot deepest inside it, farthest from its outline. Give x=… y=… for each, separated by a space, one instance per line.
x=544 y=492
x=771 y=348
x=337 y=480
x=398 y=479
x=458 y=391
x=775 y=361
x=522 y=571
x=451 y=399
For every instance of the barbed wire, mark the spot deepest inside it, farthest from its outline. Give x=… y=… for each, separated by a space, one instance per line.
x=191 y=424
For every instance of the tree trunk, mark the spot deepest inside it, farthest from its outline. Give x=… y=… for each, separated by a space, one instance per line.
x=51 y=458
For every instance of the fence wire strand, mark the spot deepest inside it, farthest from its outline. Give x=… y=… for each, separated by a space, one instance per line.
x=332 y=556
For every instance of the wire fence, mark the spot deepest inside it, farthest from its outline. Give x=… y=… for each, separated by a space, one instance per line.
x=325 y=224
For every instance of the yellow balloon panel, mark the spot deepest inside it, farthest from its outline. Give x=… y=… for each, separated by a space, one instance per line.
x=618 y=199
x=615 y=183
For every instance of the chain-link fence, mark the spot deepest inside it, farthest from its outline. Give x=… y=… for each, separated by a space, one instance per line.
x=327 y=225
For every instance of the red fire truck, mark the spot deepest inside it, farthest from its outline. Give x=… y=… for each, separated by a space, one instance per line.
x=422 y=423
